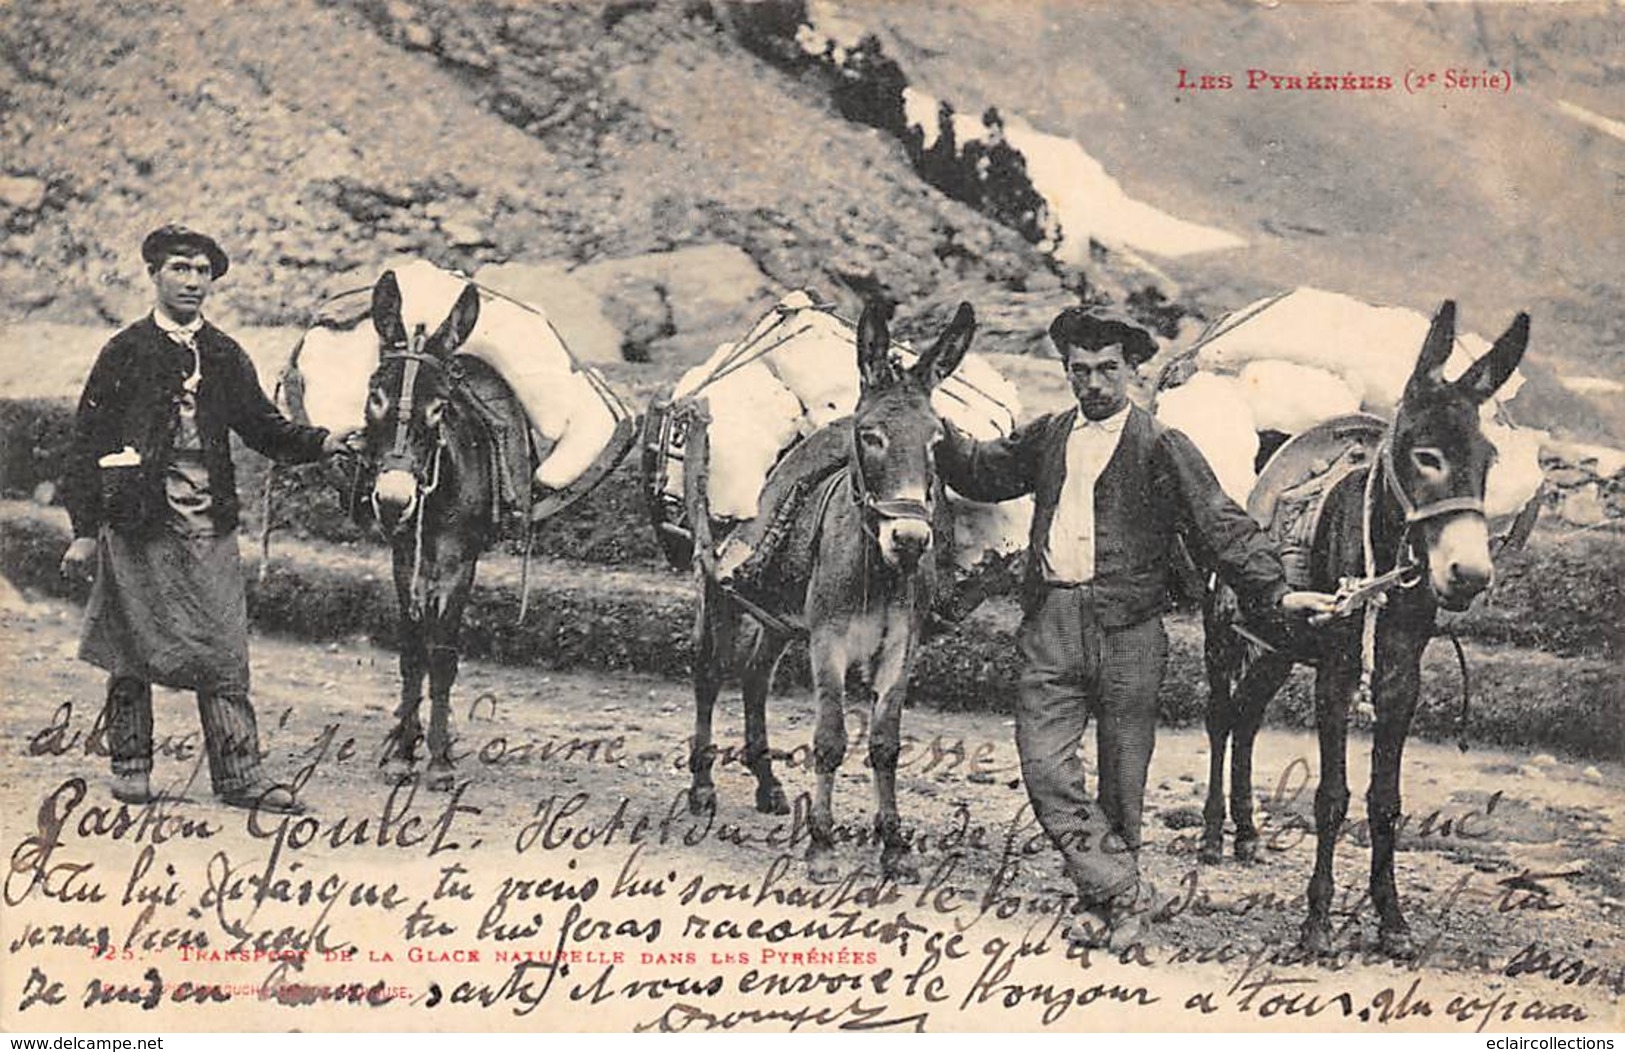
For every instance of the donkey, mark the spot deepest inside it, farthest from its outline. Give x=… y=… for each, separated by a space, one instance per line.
x=1419 y=508
x=433 y=497
x=870 y=524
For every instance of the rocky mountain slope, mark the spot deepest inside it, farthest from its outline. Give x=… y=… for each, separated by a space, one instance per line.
x=323 y=138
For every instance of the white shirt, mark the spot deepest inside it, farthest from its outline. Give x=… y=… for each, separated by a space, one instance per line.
x=1070 y=556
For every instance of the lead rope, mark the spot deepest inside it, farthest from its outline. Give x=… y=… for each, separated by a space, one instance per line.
x=1368 y=614
x=416 y=590
x=524 y=571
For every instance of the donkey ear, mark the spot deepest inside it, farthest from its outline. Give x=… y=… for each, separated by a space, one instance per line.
x=1485 y=376
x=386 y=311
x=465 y=314
x=944 y=357
x=875 y=367
x=1429 y=371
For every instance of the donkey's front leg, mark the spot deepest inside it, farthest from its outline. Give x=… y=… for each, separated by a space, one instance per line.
x=1334 y=682
x=400 y=747
x=1399 y=659
x=447 y=598
x=885 y=743
x=829 y=668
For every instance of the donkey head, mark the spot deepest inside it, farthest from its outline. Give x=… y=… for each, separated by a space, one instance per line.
x=408 y=395
x=894 y=431
x=1439 y=457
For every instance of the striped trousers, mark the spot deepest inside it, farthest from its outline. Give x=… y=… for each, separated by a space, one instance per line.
x=1074 y=667
x=230 y=733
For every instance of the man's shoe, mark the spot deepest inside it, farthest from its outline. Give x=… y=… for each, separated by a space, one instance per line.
x=263 y=796
x=1122 y=921
x=133 y=788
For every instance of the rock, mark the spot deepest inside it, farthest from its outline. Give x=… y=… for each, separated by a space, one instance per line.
x=45 y=493
x=574 y=308
x=11 y=600
x=22 y=193
x=462 y=234
x=1592 y=774
x=417 y=36
x=1582 y=507
x=1569 y=477
x=1529 y=770
x=1041 y=281
x=687 y=300
x=1544 y=759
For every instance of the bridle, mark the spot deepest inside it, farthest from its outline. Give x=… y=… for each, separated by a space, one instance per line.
x=872 y=509
x=1406 y=566
x=399 y=455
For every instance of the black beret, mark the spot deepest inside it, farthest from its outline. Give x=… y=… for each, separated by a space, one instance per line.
x=174 y=239
x=1092 y=328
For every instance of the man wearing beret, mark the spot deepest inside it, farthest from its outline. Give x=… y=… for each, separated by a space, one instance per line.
x=1111 y=488
x=152 y=493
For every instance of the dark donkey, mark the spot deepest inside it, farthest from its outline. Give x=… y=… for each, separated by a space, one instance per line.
x=870 y=526
x=433 y=496
x=1421 y=514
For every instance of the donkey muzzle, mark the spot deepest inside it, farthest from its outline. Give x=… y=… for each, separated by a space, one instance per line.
x=394 y=495
x=904 y=540
x=1459 y=565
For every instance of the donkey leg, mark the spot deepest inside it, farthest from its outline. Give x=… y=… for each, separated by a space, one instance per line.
x=715 y=622
x=829 y=667
x=1221 y=716
x=1260 y=685
x=1222 y=657
x=1396 y=691
x=885 y=743
x=758 y=682
x=445 y=628
x=1332 y=687
x=400 y=747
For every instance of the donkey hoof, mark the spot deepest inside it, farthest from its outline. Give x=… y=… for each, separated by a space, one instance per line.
x=1316 y=940
x=1247 y=851
x=1397 y=944
x=395 y=770
x=770 y=800
x=441 y=777
x=702 y=800
x=899 y=866
x=821 y=866
x=1211 y=852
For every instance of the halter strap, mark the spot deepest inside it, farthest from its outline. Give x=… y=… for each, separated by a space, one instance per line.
x=917 y=510
x=414 y=357
x=1433 y=510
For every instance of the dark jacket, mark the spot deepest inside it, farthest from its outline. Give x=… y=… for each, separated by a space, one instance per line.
x=1156 y=485
x=132 y=399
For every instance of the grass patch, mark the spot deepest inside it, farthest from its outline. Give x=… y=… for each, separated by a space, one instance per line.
x=599 y=618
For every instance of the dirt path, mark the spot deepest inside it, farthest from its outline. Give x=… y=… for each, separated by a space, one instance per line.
x=570 y=777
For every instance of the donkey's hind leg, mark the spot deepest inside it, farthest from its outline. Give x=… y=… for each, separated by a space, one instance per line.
x=1261 y=682
x=715 y=625
x=1223 y=663
x=1224 y=654
x=758 y=682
